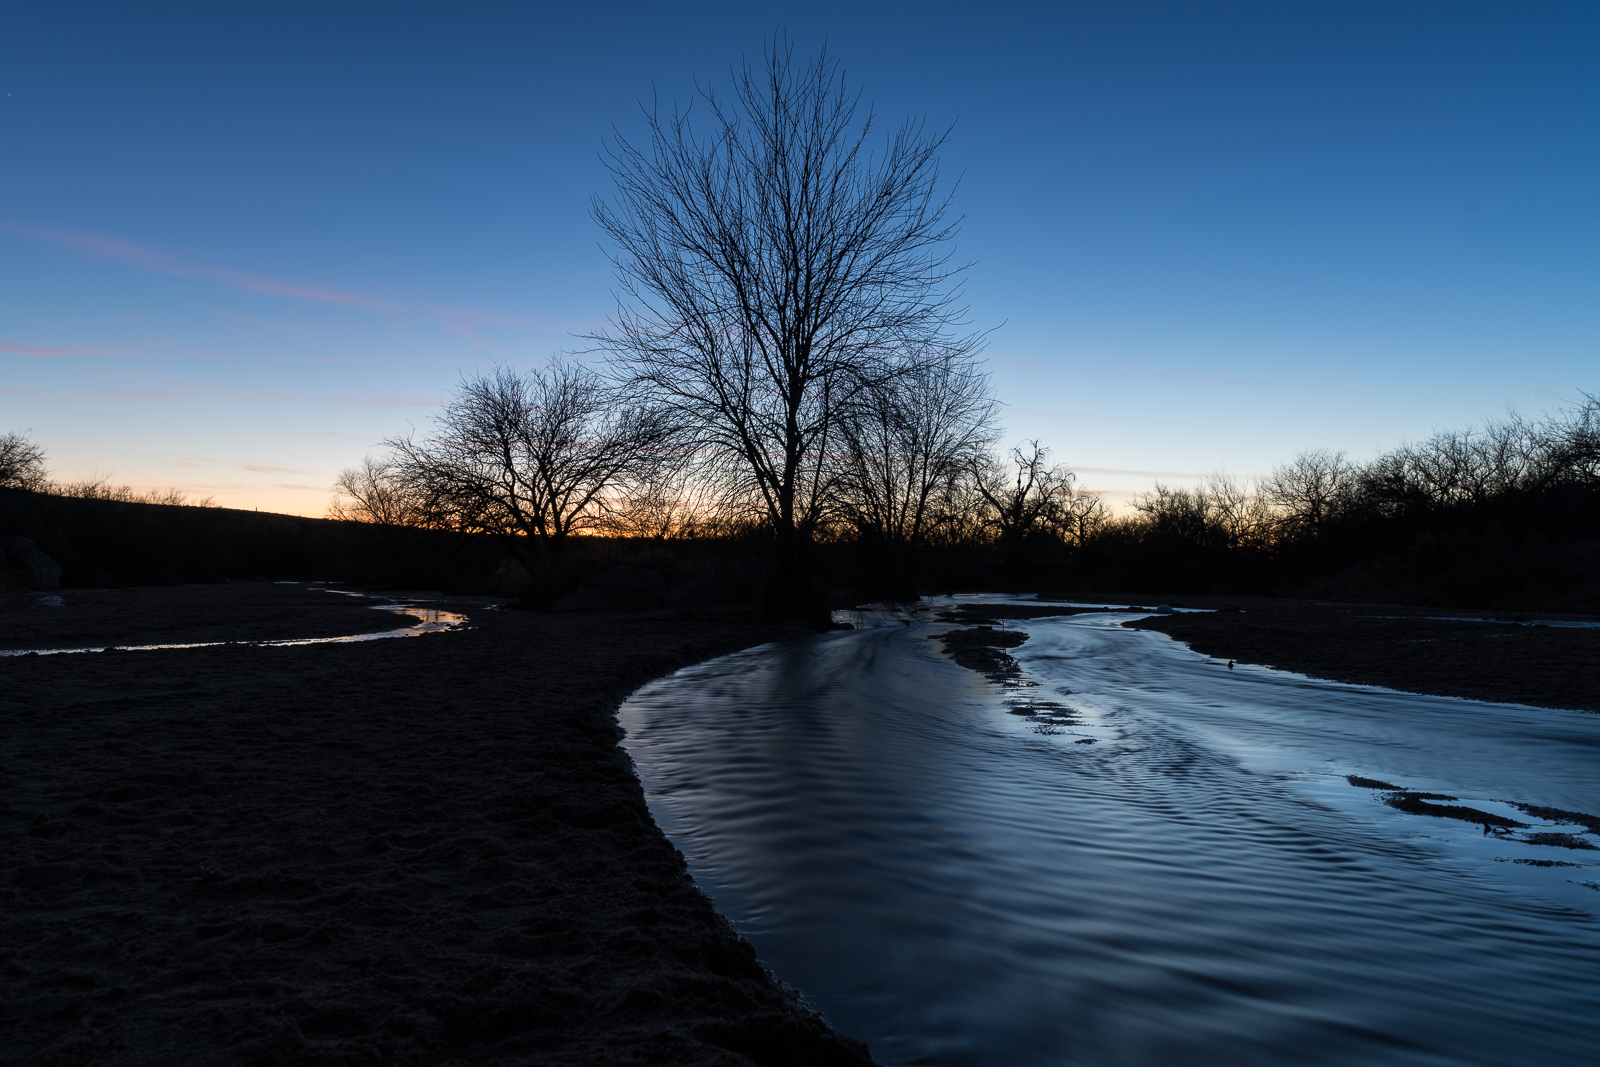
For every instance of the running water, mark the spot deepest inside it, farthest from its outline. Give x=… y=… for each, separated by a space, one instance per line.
x=1140 y=857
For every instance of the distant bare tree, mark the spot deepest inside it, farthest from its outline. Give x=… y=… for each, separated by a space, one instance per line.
x=376 y=493
x=686 y=495
x=1309 y=490
x=100 y=487
x=773 y=270
x=905 y=443
x=529 y=458
x=1238 y=511
x=1082 y=517
x=22 y=463
x=1221 y=513
x=176 y=497
x=1572 y=444
x=1029 y=496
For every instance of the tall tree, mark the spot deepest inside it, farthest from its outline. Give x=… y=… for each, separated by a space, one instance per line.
x=772 y=267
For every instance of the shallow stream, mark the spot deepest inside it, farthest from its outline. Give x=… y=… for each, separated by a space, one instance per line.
x=1132 y=855
x=428 y=621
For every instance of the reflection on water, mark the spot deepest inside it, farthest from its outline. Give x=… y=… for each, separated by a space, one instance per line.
x=953 y=874
x=429 y=620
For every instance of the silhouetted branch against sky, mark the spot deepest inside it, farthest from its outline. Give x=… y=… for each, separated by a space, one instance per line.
x=531 y=457
x=771 y=266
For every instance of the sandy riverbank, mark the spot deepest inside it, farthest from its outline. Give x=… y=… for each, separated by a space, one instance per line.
x=406 y=851
x=1406 y=648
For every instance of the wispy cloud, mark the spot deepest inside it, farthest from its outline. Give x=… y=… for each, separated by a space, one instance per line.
x=185 y=394
x=464 y=322
x=1146 y=374
x=167 y=356
x=301 y=398
x=71 y=353
x=258 y=469
x=149 y=259
x=467 y=322
x=1134 y=474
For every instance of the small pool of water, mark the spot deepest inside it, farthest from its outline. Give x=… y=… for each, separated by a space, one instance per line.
x=1132 y=855
x=429 y=620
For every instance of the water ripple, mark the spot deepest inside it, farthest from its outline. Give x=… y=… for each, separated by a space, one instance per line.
x=959 y=884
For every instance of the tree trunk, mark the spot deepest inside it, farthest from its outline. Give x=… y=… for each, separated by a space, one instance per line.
x=790 y=590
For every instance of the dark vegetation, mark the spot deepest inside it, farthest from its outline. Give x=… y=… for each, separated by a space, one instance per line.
x=1416 y=803
x=110 y=543
x=1504 y=517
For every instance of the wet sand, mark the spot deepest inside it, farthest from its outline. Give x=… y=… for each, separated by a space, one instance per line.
x=409 y=851
x=241 y=611
x=1397 y=647
x=1416 y=650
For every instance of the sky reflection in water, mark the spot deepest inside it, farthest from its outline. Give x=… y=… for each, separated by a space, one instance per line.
x=959 y=884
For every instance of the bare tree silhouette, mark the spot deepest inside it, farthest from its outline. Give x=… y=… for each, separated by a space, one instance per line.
x=772 y=270
x=1223 y=513
x=904 y=445
x=529 y=458
x=22 y=463
x=1028 y=497
x=375 y=493
x=686 y=496
x=1308 y=491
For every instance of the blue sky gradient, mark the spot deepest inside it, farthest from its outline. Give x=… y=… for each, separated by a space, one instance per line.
x=240 y=244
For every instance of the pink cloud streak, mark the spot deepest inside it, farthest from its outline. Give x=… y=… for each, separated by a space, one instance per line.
x=148 y=259
x=39 y=350
x=211 y=394
x=463 y=322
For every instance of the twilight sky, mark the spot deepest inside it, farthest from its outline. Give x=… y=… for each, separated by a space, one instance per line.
x=241 y=244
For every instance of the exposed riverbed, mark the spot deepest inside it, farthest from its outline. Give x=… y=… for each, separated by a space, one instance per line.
x=1129 y=854
x=383 y=851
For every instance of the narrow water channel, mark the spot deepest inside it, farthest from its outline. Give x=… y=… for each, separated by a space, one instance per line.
x=428 y=621
x=1137 y=856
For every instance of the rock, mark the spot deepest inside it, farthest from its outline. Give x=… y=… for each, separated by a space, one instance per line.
x=618 y=589
x=1165 y=609
x=38 y=570
x=720 y=588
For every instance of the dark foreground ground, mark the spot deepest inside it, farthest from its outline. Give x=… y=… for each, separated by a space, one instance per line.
x=411 y=851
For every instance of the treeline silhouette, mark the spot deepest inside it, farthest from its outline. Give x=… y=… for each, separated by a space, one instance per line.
x=1502 y=515
x=111 y=543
